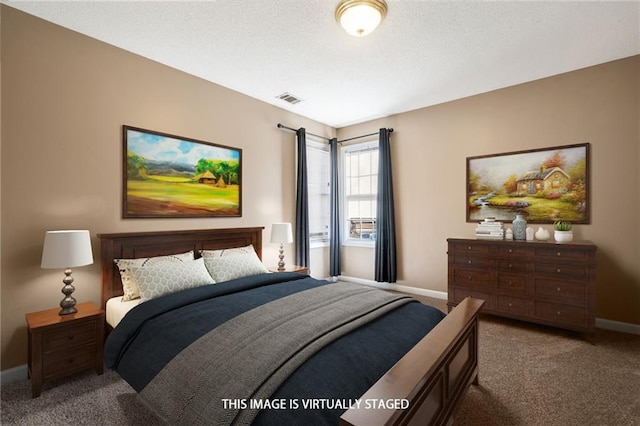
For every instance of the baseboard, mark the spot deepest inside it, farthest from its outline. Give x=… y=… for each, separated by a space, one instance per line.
x=623 y=327
x=403 y=288
x=12 y=375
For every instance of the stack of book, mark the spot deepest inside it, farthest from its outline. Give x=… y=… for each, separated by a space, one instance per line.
x=490 y=229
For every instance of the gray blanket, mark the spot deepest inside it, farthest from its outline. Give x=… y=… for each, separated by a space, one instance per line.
x=248 y=357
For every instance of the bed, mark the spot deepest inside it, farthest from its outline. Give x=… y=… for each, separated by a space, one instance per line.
x=424 y=385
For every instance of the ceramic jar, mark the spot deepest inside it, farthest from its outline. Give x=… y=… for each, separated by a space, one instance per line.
x=519 y=228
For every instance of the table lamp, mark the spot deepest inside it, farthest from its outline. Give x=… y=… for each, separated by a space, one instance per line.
x=67 y=249
x=281 y=233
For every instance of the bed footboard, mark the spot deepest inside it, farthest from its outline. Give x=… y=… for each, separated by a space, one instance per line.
x=433 y=376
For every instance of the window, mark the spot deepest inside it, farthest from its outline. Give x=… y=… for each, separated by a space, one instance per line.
x=361 y=189
x=318 y=172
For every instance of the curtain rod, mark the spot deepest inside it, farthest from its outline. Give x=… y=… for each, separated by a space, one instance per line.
x=282 y=126
x=362 y=136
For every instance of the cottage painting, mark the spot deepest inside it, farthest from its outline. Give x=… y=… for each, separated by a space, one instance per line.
x=172 y=176
x=544 y=185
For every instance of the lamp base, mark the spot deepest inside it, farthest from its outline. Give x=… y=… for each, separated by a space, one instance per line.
x=281 y=257
x=68 y=303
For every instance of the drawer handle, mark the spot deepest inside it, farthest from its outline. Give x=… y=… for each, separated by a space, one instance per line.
x=558 y=270
x=469 y=262
x=559 y=254
x=71 y=360
x=558 y=313
x=510 y=266
x=71 y=336
x=510 y=250
x=510 y=304
x=558 y=289
x=470 y=278
x=469 y=248
x=511 y=283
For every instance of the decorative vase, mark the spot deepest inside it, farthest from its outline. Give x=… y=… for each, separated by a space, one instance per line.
x=519 y=228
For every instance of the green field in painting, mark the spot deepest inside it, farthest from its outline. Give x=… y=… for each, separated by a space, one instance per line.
x=179 y=194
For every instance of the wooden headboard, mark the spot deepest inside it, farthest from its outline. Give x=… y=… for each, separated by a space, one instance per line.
x=131 y=245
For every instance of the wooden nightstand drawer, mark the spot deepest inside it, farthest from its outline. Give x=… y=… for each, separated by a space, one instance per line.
x=64 y=363
x=69 y=337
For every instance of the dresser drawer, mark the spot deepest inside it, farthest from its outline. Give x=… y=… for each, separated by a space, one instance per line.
x=512 y=284
x=561 y=271
x=77 y=335
x=513 y=266
x=459 y=295
x=471 y=278
x=471 y=262
x=557 y=313
x=63 y=363
x=561 y=253
x=514 y=251
x=561 y=290
x=470 y=247
x=513 y=305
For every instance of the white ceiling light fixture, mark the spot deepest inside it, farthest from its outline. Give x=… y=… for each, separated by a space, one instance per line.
x=360 y=17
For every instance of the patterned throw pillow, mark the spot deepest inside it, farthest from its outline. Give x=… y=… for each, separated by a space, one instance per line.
x=129 y=285
x=224 y=265
x=170 y=277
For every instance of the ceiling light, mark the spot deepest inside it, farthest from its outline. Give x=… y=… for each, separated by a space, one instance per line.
x=360 y=17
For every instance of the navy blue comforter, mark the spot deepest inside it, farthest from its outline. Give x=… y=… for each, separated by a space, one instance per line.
x=154 y=332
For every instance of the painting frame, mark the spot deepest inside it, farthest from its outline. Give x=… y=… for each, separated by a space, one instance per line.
x=170 y=176
x=499 y=185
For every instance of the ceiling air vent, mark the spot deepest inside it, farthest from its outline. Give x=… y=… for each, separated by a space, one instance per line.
x=288 y=97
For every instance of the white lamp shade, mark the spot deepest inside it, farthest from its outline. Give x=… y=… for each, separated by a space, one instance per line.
x=281 y=233
x=66 y=249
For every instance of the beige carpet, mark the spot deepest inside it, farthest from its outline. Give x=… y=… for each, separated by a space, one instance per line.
x=529 y=375
x=537 y=375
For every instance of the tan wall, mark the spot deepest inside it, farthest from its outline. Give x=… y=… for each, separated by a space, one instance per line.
x=598 y=105
x=65 y=98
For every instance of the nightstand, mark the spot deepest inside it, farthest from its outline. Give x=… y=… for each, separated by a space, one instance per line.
x=60 y=345
x=291 y=268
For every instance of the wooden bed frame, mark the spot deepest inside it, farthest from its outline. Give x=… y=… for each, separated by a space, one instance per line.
x=433 y=376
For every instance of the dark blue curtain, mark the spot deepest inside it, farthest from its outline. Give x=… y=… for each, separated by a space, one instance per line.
x=301 y=237
x=386 y=265
x=335 y=267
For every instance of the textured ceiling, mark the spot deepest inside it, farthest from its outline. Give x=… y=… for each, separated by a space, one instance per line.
x=424 y=53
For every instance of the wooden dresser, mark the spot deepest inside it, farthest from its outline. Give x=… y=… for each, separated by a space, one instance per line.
x=542 y=282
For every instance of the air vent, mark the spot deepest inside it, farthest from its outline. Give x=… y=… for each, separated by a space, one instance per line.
x=288 y=97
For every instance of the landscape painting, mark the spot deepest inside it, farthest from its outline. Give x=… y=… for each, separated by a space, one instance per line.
x=172 y=176
x=542 y=184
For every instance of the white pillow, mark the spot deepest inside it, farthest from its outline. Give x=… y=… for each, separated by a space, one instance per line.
x=170 y=277
x=227 y=264
x=129 y=285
